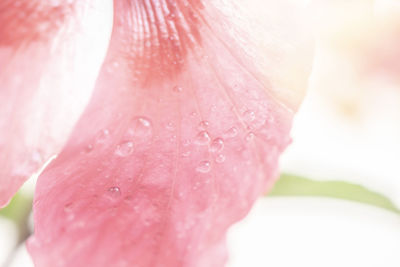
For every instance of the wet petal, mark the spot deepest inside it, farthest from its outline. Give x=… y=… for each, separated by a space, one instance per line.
x=50 y=55
x=182 y=135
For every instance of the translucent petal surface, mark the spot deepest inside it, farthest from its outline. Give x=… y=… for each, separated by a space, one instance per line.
x=182 y=135
x=50 y=55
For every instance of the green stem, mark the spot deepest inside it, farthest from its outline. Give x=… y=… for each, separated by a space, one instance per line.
x=291 y=185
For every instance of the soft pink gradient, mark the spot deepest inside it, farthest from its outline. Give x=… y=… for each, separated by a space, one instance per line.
x=48 y=66
x=190 y=112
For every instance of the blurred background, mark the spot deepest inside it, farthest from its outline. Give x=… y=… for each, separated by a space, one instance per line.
x=348 y=129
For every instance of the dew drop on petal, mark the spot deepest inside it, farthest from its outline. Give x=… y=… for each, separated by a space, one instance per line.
x=203 y=125
x=232 y=132
x=186 y=142
x=103 y=135
x=144 y=122
x=88 y=148
x=220 y=158
x=250 y=136
x=217 y=145
x=204 y=166
x=124 y=149
x=203 y=138
x=249 y=116
x=114 y=192
x=68 y=208
x=177 y=89
x=170 y=126
x=141 y=127
x=196 y=186
x=186 y=154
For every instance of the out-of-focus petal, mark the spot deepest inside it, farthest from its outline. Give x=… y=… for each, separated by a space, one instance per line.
x=50 y=56
x=364 y=34
x=183 y=133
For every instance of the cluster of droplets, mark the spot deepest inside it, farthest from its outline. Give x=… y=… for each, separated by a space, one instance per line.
x=139 y=130
x=215 y=146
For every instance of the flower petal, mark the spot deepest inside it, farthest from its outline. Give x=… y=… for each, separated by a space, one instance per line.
x=50 y=55
x=182 y=135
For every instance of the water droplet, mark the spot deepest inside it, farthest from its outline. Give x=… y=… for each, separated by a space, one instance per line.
x=102 y=136
x=220 y=158
x=177 y=89
x=196 y=186
x=186 y=154
x=203 y=125
x=250 y=136
x=249 y=116
x=124 y=149
x=88 y=148
x=232 y=132
x=204 y=166
x=141 y=127
x=203 y=138
x=170 y=126
x=68 y=208
x=114 y=192
x=217 y=145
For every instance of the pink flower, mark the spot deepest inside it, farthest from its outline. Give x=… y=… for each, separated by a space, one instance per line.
x=191 y=107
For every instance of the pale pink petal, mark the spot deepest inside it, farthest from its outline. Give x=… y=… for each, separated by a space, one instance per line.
x=364 y=36
x=182 y=135
x=50 y=55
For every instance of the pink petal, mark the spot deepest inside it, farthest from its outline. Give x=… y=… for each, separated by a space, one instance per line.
x=50 y=55
x=182 y=135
